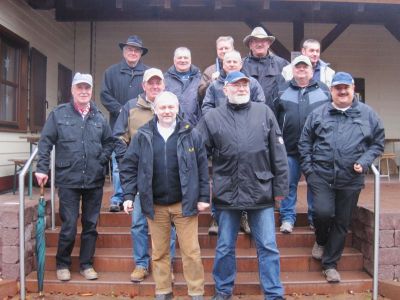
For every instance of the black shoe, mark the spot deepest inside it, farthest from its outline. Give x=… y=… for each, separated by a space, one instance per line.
x=114 y=208
x=221 y=297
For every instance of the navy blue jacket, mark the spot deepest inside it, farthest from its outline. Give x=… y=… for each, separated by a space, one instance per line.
x=83 y=146
x=332 y=141
x=136 y=169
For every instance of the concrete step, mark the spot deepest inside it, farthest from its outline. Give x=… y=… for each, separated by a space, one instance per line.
x=246 y=283
x=120 y=237
x=292 y=260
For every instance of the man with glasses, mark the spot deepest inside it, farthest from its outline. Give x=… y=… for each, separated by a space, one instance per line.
x=122 y=82
x=250 y=172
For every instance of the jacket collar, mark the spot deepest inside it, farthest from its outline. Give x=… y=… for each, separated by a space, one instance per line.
x=125 y=67
x=194 y=70
x=142 y=102
x=311 y=83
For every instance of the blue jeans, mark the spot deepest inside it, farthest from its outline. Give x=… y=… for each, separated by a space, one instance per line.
x=140 y=237
x=288 y=205
x=262 y=225
x=117 y=198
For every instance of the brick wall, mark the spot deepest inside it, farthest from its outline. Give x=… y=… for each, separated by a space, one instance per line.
x=9 y=238
x=389 y=241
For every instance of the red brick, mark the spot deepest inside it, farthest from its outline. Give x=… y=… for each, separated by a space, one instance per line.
x=389 y=256
x=10 y=236
x=365 y=216
x=10 y=271
x=397 y=238
x=397 y=272
x=367 y=249
x=386 y=272
x=386 y=238
x=10 y=254
x=9 y=219
x=390 y=221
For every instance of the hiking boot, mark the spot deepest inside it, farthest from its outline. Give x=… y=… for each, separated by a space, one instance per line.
x=139 y=274
x=213 y=229
x=115 y=208
x=63 y=274
x=244 y=223
x=331 y=275
x=164 y=297
x=286 y=227
x=317 y=251
x=89 y=274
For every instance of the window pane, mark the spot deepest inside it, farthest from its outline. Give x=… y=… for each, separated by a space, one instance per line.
x=8 y=100
x=10 y=63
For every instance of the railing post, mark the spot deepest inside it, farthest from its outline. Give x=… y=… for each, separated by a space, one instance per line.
x=53 y=188
x=377 y=195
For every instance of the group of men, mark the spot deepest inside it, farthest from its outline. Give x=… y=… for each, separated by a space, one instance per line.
x=260 y=121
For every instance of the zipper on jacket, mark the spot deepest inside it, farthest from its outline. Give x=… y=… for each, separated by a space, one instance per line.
x=166 y=167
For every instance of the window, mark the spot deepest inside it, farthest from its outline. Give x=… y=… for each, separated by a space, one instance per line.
x=13 y=81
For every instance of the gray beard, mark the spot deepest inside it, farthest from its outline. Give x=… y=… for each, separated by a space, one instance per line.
x=239 y=99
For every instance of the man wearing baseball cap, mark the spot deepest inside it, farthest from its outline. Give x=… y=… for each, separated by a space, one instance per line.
x=122 y=82
x=296 y=99
x=249 y=173
x=262 y=64
x=339 y=142
x=83 y=142
x=134 y=114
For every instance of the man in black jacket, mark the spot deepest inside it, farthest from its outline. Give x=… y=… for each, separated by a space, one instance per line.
x=249 y=173
x=122 y=82
x=83 y=144
x=339 y=142
x=166 y=163
x=296 y=100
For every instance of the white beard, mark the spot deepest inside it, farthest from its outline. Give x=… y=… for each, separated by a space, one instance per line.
x=239 y=99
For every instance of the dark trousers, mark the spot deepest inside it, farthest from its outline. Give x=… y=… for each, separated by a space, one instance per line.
x=69 y=212
x=333 y=209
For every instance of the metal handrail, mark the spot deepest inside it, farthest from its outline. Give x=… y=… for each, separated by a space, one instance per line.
x=377 y=200
x=21 y=189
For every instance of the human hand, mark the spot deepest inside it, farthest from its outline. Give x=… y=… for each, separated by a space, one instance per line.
x=358 y=168
x=214 y=76
x=128 y=206
x=41 y=178
x=202 y=206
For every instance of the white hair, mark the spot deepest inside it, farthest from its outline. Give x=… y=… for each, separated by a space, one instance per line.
x=233 y=54
x=182 y=50
x=166 y=96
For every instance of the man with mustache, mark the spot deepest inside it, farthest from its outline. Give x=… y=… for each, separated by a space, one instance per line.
x=249 y=173
x=83 y=143
x=339 y=142
x=262 y=64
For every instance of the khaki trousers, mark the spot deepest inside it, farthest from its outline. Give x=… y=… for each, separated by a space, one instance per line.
x=187 y=232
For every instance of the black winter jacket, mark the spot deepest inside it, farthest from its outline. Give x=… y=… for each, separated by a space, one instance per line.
x=136 y=169
x=248 y=155
x=292 y=107
x=121 y=83
x=187 y=92
x=83 y=147
x=267 y=70
x=332 y=141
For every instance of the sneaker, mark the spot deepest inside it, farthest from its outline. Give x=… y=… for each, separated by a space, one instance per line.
x=114 y=208
x=219 y=296
x=213 y=229
x=139 y=274
x=317 y=251
x=89 y=274
x=312 y=227
x=244 y=224
x=63 y=274
x=168 y=296
x=331 y=275
x=286 y=227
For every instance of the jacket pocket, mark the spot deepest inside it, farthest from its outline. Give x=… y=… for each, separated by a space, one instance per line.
x=263 y=190
x=63 y=164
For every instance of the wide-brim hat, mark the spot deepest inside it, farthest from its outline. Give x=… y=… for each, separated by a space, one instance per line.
x=135 y=41
x=258 y=33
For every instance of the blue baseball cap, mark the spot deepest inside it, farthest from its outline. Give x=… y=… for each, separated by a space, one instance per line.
x=342 y=78
x=235 y=76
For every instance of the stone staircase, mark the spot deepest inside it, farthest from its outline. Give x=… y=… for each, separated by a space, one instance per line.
x=300 y=273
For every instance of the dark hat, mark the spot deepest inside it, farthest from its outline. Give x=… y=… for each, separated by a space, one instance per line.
x=342 y=78
x=135 y=41
x=235 y=76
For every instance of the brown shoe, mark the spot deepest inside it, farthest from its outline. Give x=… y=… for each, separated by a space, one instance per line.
x=139 y=274
x=63 y=274
x=244 y=223
x=213 y=229
x=331 y=275
x=89 y=274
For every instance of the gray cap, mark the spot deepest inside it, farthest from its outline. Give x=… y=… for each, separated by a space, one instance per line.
x=302 y=59
x=82 y=78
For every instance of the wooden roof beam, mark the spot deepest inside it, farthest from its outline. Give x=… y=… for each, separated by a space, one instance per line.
x=334 y=34
x=394 y=29
x=277 y=47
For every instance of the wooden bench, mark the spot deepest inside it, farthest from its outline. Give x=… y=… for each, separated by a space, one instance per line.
x=386 y=157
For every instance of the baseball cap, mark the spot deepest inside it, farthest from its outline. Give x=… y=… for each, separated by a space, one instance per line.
x=82 y=78
x=342 y=78
x=151 y=73
x=301 y=59
x=235 y=76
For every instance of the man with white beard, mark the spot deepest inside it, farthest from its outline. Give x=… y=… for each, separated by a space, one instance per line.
x=250 y=172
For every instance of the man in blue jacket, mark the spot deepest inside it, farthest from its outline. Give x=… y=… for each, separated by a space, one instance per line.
x=122 y=82
x=166 y=163
x=83 y=144
x=249 y=173
x=340 y=140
